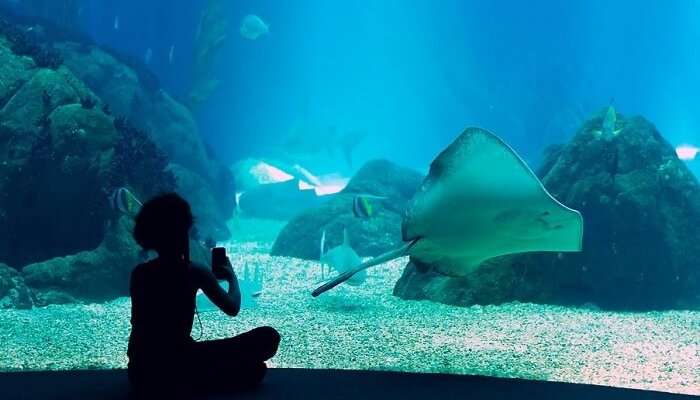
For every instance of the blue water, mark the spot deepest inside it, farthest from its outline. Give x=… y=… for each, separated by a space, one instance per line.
x=414 y=73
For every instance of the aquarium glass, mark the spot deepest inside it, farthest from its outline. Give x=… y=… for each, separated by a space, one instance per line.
x=526 y=172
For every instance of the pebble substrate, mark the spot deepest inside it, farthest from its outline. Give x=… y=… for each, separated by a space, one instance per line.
x=366 y=327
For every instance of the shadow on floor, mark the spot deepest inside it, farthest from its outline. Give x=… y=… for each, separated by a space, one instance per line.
x=321 y=384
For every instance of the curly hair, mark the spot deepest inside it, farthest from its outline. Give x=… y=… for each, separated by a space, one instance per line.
x=160 y=220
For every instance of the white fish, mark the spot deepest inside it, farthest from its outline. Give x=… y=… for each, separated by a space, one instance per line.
x=323 y=250
x=116 y=22
x=343 y=259
x=147 y=57
x=323 y=243
x=607 y=129
x=253 y=26
x=237 y=200
x=170 y=54
x=687 y=152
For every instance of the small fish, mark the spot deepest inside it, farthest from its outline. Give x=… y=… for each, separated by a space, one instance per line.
x=171 y=53
x=687 y=152
x=147 y=57
x=253 y=26
x=343 y=258
x=323 y=243
x=323 y=251
x=362 y=205
x=237 y=203
x=116 y=22
x=123 y=201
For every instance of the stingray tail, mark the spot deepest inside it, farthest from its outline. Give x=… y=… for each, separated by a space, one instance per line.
x=381 y=259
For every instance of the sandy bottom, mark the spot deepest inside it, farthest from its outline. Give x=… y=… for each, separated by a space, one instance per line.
x=365 y=327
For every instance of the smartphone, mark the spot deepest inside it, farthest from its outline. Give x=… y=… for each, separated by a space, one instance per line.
x=218 y=260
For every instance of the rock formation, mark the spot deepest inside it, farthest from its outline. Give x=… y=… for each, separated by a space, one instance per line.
x=641 y=208
x=371 y=236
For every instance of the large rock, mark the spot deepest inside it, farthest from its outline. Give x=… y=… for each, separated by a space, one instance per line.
x=301 y=236
x=194 y=189
x=60 y=156
x=14 y=293
x=641 y=208
x=250 y=173
x=15 y=71
x=55 y=153
x=279 y=201
x=169 y=124
x=91 y=275
x=42 y=93
x=62 y=153
x=114 y=82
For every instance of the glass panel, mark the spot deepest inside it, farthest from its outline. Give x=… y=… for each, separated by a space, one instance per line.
x=526 y=173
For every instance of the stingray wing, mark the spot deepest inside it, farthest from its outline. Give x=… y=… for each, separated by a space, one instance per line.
x=480 y=200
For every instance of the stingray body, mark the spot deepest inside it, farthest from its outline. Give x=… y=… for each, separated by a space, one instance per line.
x=343 y=259
x=480 y=200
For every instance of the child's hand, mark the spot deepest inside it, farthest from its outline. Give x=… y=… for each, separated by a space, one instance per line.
x=225 y=271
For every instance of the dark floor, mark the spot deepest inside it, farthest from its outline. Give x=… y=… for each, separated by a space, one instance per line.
x=322 y=384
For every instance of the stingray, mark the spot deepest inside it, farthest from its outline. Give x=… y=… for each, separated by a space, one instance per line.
x=479 y=200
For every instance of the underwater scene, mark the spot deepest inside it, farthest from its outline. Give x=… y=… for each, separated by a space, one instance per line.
x=468 y=187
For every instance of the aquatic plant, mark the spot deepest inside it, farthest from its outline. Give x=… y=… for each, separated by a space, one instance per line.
x=211 y=34
x=137 y=162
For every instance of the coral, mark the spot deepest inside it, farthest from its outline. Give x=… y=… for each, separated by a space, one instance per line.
x=24 y=44
x=138 y=162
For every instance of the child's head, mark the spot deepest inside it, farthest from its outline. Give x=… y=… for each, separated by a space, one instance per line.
x=163 y=225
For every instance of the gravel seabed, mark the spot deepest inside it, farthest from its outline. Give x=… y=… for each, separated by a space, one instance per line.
x=365 y=327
